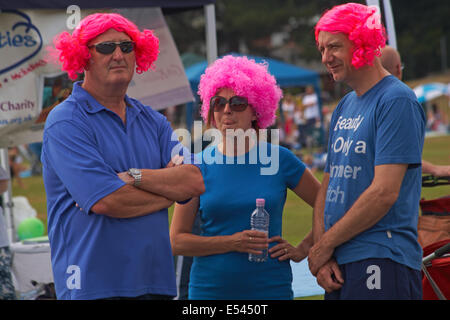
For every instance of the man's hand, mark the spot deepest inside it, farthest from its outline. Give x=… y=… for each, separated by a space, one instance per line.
x=329 y=276
x=176 y=161
x=318 y=255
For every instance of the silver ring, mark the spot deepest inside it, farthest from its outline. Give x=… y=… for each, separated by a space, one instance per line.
x=285 y=251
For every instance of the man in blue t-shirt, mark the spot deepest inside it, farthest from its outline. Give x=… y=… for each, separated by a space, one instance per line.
x=108 y=172
x=365 y=215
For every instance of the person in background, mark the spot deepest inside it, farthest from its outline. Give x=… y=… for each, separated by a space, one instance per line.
x=311 y=112
x=16 y=166
x=435 y=169
x=366 y=213
x=288 y=108
x=240 y=95
x=7 y=291
x=300 y=122
x=391 y=61
x=108 y=170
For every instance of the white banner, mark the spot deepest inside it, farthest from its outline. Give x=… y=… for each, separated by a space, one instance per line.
x=373 y=3
x=167 y=85
x=30 y=86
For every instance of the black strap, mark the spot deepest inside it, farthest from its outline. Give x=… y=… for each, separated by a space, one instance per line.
x=432 y=181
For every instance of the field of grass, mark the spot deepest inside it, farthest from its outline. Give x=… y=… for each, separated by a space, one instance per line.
x=297 y=216
x=436 y=150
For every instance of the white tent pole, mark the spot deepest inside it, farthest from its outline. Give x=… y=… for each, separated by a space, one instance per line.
x=178 y=274
x=211 y=37
x=373 y=3
x=390 y=25
x=389 y=19
x=211 y=48
x=7 y=200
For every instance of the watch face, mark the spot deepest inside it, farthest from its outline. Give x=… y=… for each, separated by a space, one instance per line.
x=136 y=174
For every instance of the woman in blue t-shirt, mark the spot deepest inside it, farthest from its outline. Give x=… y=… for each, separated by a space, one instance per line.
x=239 y=98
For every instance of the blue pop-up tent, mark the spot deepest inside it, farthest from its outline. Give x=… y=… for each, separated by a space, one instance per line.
x=287 y=75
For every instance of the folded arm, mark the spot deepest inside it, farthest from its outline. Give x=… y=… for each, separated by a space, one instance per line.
x=176 y=183
x=130 y=202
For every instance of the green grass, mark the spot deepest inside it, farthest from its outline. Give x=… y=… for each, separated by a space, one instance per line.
x=297 y=216
x=437 y=151
x=34 y=191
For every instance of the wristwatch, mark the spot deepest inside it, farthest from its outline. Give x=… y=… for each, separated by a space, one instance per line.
x=136 y=174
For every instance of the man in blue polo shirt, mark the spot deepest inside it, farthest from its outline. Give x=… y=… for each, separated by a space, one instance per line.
x=108 y=171
x=366 y=212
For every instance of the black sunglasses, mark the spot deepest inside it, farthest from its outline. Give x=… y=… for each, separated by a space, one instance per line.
x=236 y=103
x=109 y=46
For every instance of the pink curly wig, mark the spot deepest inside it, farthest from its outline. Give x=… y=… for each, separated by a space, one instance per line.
x=73 y=53
x=247 y=79
x=362 y=25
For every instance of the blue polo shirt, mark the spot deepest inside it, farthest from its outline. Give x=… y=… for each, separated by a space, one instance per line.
x=94 y=256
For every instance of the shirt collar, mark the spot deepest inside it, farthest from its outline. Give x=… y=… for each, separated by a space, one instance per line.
x=89 y=103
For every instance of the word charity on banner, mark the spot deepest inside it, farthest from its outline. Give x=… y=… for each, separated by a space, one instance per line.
x=21 y=43
x=31 y=86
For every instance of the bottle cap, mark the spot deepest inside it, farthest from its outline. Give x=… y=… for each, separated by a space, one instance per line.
x=260 y=202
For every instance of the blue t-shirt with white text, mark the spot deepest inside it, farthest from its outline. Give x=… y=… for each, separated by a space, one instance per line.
x=383 y=126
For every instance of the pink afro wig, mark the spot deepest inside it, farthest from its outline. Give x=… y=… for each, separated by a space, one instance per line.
x=247 y=79
x=73 y=53
x=363 y=26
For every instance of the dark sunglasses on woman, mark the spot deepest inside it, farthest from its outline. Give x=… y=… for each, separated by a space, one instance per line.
x=108 y=47
x=236 y=103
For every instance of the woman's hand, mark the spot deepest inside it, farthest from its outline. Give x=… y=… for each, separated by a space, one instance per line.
x=284 y=250
x=175 y=161
x=250 y=241
x=125 y=177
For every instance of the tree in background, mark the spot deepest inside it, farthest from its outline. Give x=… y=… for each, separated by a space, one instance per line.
x=249 y=26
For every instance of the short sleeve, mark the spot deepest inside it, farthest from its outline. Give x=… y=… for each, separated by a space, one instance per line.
x=72 y=153
x=292 y=168
x=400 y=127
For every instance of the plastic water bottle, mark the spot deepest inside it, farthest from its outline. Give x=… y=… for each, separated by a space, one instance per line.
x=259 y=221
